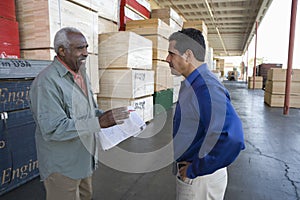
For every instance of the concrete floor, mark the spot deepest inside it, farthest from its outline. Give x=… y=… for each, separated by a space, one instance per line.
x=269 y=168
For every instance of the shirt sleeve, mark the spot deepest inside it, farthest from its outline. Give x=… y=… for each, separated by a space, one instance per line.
x=53 y=118
x=223 y=133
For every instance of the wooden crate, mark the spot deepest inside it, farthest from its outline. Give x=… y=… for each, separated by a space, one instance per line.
x=258 y=82
x=276 y=74
x=124 y=50
x=143 y=106
x=163 y=79
x=12 y=68
x=18 y=163
x=153 y=26
x=126 y=83
x=38 y=30
x=14 y=94
x=277 y=100
x=278 y=87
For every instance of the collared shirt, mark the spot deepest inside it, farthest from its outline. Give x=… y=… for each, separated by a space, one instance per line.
x=206 y=129
x=77 y=77
x=66 y=121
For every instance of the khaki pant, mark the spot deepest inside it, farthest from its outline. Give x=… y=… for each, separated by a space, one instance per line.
x=62 y=187
x=208 y=187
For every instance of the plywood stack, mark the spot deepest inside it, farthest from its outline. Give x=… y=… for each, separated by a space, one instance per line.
x=275 y=88
x=169 y=16
x=39 y=23
x=258 y=82
x=9 y=37
x=158 y=32
x=133 y=10
x=108 y=12
x=126 y=78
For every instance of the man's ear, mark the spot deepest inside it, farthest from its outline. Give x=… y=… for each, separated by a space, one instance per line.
x=189 y=54
x=61 y=51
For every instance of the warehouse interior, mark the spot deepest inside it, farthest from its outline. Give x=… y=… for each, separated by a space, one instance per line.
x=128 y=46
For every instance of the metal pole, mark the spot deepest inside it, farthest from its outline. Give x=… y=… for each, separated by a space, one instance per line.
x=254 y=68
x=247 y=67
x=290 y=58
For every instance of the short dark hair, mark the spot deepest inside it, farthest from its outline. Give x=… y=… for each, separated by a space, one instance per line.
x=192 y=39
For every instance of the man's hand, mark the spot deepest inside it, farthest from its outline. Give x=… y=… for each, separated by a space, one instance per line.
x=113 y=117
x=182 y=170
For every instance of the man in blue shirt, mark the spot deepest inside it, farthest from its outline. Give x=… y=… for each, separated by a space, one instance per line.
x=207 y=132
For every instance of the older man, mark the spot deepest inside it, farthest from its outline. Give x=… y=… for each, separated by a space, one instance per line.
x=67 y=119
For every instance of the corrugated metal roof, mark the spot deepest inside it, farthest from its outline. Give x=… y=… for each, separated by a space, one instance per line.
x=230 y=23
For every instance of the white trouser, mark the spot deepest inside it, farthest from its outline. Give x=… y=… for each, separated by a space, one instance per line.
x=208 y=187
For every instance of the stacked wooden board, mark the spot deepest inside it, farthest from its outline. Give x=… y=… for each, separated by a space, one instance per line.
x=158 y=32
x=169 y=16
x=258 y=82
x=126 y=78
x=9 y=37
x=275 y=88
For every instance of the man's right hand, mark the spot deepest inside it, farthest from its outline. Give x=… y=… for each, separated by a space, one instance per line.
x=113 y=117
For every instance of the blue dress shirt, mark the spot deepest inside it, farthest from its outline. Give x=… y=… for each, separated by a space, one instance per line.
x=206 y=129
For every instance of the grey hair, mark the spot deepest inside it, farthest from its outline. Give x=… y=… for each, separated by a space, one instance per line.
x=61 y=37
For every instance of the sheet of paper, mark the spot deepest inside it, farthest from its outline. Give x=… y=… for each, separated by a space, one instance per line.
x=110 y=137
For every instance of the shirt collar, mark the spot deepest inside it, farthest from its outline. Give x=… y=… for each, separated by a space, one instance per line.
x=65 y=68
x=191 y=78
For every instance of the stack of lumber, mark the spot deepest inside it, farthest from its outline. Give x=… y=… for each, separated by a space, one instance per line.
x=9 y=37
x=258 y=82
x=275 y=88
x=158 y=32
x=169 y=16
x=126 y=78
x=108 y=15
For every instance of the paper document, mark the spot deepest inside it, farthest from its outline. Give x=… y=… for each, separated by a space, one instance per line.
x=110 y=137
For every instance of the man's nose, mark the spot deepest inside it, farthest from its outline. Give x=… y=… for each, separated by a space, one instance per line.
x=168 y=58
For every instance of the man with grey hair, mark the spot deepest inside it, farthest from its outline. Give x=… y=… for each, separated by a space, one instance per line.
x=67 y=118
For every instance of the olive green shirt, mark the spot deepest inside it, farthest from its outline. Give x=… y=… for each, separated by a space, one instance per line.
x=66 y=123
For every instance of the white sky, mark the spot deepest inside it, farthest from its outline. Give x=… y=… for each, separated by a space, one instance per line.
x=273 y=36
